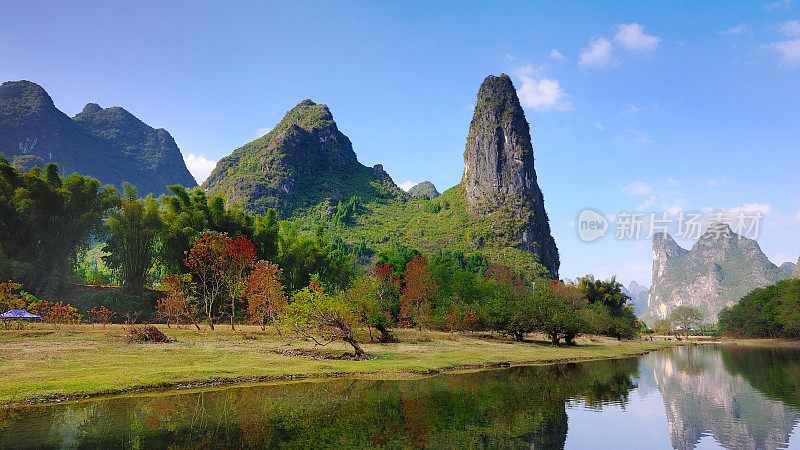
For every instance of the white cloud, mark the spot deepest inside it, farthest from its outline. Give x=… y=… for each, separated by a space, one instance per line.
x=782 y=257
x=638 y=188
x=646 y=204
x=715 y=182
x=797 y=216
x=407 y=185
x=778 y=4
x=636 y=137
x=791 y=28
x=751 y=208
x=262 y=131
x=738 y=29
x=674 y=209
x=199 y=166
x=637 y=109
x=789 y=51
x=539 y=92
x=598 y=54
x=632 y=38
x=673 y=181
x=555 y=54
x=599 y=126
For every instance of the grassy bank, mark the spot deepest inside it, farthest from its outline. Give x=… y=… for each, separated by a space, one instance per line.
x=42 y=362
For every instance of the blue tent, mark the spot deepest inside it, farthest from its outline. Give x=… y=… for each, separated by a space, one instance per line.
x=19 y=314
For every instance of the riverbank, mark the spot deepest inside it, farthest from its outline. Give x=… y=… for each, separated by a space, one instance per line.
x=46 y=364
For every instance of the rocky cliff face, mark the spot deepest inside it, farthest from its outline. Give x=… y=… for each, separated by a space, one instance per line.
x=301 y=162
x=108 y=144
x=796 y=271
x=499 y=176
x=720 y=269
x=424 y=189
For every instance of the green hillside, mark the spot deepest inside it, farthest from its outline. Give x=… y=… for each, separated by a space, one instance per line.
x=426 y=225
x=301 y=162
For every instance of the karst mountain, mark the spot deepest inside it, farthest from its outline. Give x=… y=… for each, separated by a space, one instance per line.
x=109 y=144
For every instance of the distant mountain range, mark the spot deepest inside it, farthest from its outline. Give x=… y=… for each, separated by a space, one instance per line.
x=109 y=144
x=720 y=269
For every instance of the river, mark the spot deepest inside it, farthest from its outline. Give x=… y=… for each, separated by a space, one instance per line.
x=706 y=396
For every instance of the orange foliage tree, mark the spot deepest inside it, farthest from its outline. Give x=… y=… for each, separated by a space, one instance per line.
x=507 y=277
x=178 y=301
x=58 y=313
x=219 y=263
x=101 y=315
x=264 y=293
x=241 y=254
x=9 y=296
x=418 y=293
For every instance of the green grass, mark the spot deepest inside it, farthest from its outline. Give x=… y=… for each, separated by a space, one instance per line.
x=42 y=362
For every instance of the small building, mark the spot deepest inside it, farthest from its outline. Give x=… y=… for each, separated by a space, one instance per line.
x=19 y=314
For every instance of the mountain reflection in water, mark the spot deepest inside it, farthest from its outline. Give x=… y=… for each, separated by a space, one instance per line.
x=729 y=396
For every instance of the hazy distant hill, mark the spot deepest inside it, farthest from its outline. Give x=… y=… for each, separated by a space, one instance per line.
x=638 y=295
x=424 y=189
x=109 y=144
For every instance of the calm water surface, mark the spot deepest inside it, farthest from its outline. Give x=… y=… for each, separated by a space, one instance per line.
x=691 y=397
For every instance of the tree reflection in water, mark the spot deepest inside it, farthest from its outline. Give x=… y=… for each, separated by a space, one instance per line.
x=515 y=407
x=743 y=397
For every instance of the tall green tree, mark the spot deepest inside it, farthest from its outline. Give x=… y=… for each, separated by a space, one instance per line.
x=132 y=233
x=613 y=312
x=302 y=256
x=772 y=311
x=686 y=316
x=189 y=213
x=44 y=220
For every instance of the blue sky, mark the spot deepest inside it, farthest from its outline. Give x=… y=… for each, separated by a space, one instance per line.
x=650 y=106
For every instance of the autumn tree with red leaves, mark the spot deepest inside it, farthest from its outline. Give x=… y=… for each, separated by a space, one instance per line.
x=57 y=313
x=507 y=277
x=264 y=293
x=178 y=302
x=239 y=258
x=220 y=264
x=418 y=293
x=101 y=315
